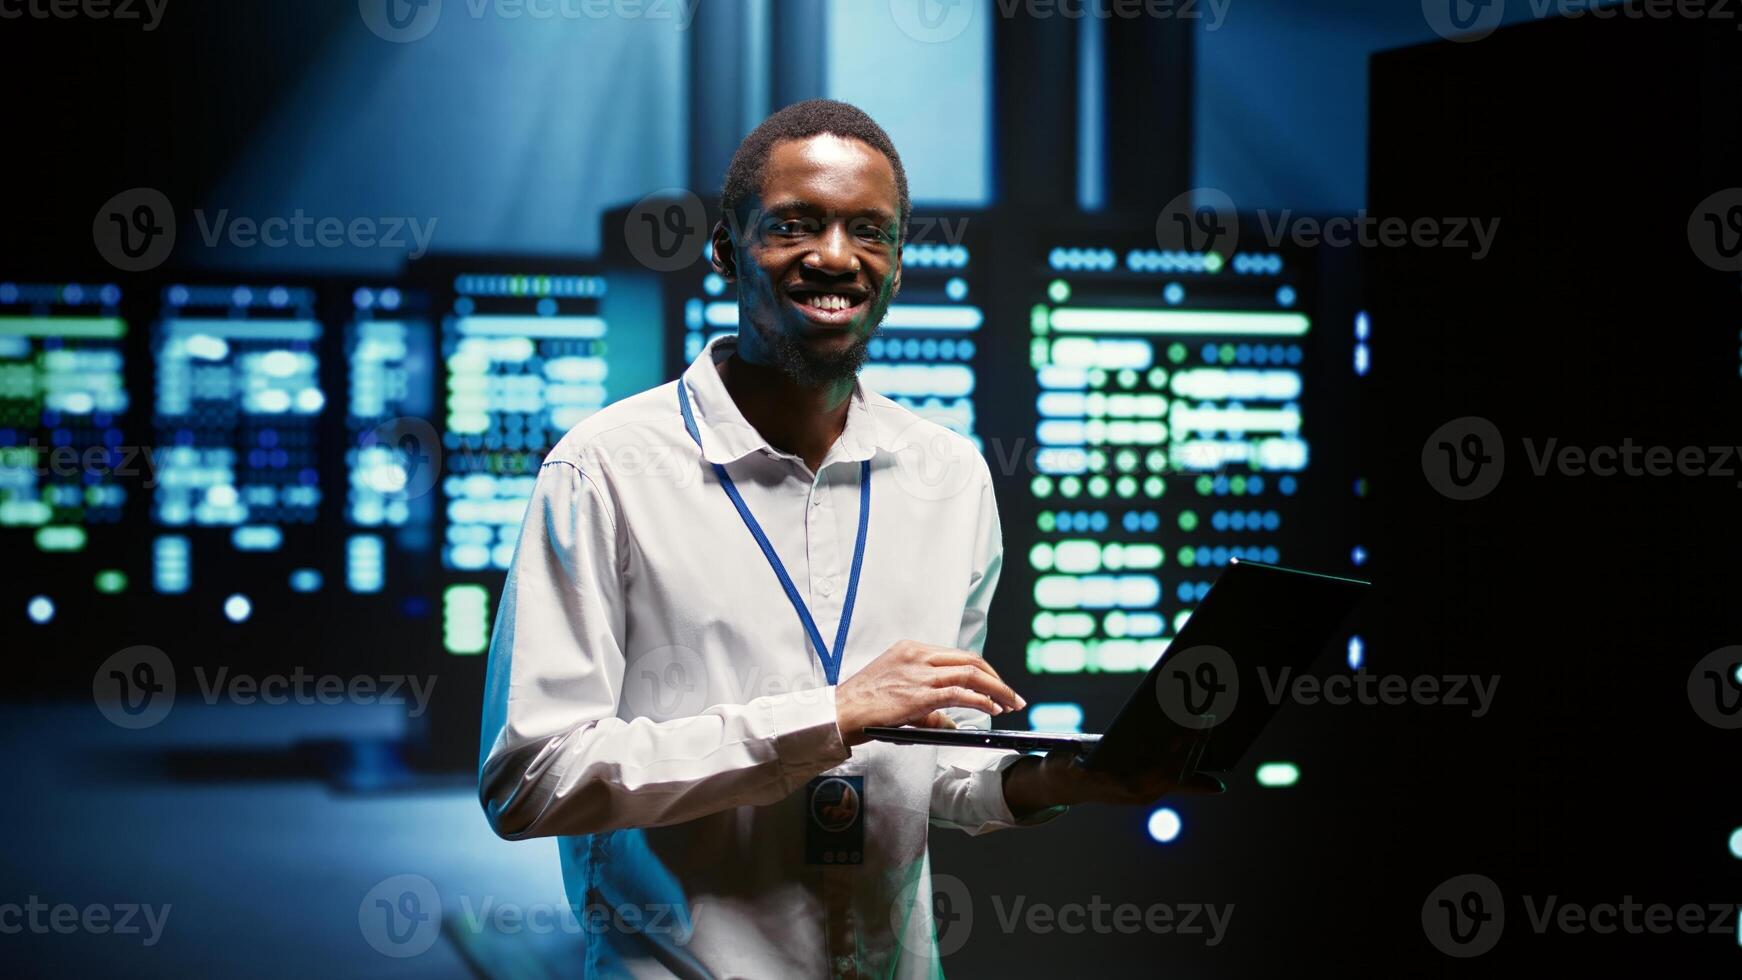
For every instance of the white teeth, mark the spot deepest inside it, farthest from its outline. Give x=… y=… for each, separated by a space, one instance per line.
x=827 y=301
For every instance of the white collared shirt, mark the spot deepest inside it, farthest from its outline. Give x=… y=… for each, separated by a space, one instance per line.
x=653 y=698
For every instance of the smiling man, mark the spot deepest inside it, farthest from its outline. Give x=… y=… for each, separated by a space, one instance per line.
x=722 y=582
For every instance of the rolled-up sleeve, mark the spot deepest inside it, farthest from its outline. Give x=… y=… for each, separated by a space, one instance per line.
x=968 y=788
x=555 y=758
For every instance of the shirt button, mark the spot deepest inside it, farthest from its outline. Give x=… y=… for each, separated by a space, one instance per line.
x=826 y=587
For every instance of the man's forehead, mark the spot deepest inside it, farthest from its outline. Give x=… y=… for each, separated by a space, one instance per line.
x=828 y=170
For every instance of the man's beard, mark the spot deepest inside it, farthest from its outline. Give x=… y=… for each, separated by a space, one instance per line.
x=809 y=368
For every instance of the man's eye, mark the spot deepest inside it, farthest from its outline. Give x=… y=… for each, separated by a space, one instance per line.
x=792 y=226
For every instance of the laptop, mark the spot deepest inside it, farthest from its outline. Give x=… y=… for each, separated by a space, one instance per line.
x=1256 y=622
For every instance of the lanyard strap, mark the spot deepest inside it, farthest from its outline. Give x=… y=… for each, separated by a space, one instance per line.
x=831 y=659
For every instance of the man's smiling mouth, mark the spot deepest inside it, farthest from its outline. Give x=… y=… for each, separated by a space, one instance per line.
x=831 y=305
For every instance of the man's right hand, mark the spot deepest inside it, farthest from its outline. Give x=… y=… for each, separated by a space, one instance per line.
x=912 y=683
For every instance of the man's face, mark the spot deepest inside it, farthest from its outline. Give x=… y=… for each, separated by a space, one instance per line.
x=819 y=259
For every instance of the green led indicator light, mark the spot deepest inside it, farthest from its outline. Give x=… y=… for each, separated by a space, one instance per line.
x=1058 y=291
x=1188 y=520
x=1045 y=521
x=1278 y=774
x=61 y=537
x=1041 y=486
x=1040 y=556
x=1212 y=263
x=111 y=581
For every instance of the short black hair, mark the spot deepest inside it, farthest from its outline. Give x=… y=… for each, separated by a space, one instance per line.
x=798 y=121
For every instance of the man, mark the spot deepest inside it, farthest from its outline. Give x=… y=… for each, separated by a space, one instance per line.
x=723 y=581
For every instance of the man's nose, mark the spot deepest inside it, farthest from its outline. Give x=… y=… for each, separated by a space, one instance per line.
x=833 y=253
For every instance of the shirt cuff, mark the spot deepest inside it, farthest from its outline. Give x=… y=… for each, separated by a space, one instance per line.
x=807 y=736
x=1001 y=809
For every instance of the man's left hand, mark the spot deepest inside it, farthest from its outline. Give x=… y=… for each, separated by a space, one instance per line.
x=1034 y=784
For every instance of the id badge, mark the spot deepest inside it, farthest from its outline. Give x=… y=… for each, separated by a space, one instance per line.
x=834 y=827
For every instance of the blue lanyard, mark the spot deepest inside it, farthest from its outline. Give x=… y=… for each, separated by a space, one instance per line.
x=831 y=660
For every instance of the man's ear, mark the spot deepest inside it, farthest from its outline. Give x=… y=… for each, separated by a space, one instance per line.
x=722 y=253
x=897 y=288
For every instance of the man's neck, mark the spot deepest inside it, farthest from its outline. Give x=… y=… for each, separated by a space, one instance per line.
x=803 y=420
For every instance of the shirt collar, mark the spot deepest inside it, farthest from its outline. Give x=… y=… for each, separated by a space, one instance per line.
x=728 y=436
